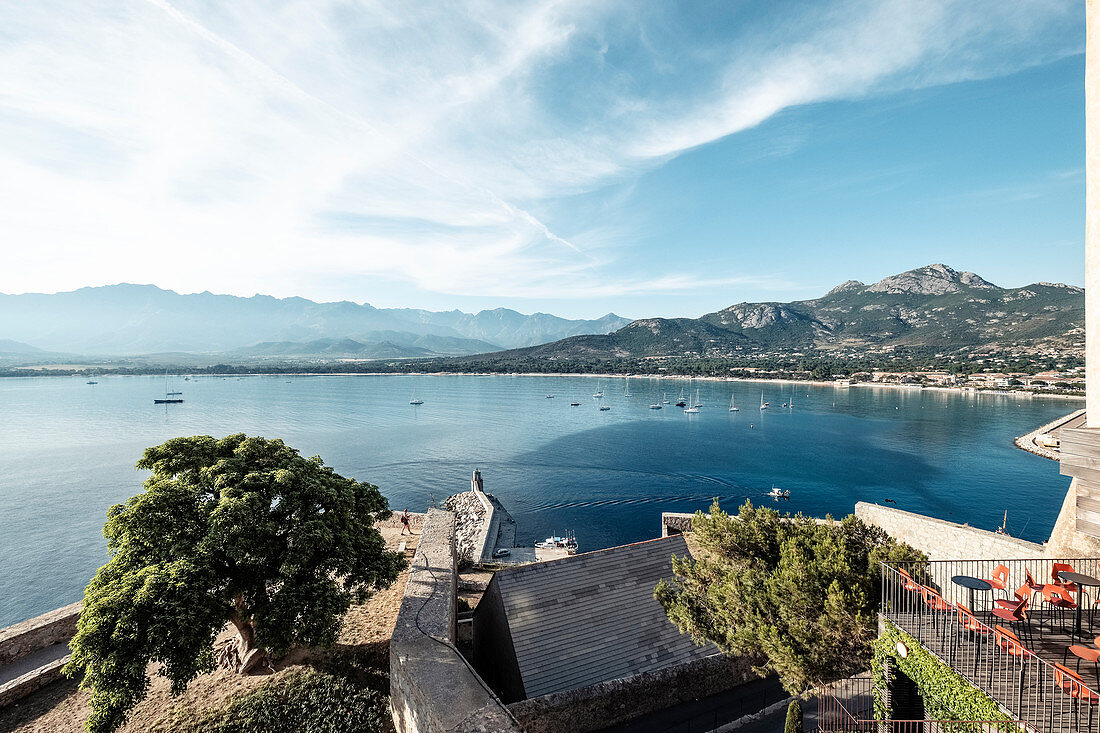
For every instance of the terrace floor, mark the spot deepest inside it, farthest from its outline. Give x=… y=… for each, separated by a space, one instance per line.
x=1025 y=687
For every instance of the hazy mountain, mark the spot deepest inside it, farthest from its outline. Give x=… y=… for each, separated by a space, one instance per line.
x=933 y=306
x=137 y=319
x=15 y=348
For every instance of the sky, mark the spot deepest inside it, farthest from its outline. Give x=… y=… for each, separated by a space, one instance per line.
x=647 y=158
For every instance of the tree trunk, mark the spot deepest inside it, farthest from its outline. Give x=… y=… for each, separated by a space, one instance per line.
x=245 y=654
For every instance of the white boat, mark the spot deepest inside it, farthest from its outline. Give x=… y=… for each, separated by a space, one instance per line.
x=549 y=396
x=567 y=543
x=626 y=389
x=664 y=400
x=733 y=407
x=778 y=494
x=415 y=400
x=599 y=391
x=694 y=408
x=763 y=404
x=605 y=408
x=655 y=406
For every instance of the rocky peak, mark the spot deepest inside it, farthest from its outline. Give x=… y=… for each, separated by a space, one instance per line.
x=845 y=287
x=935 y=279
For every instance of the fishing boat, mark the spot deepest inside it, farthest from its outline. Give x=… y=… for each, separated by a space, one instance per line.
x=694 y=408
x=599 y=391
x=170 y=398
x=733 y=407
x=568 y=542
x=779 y=494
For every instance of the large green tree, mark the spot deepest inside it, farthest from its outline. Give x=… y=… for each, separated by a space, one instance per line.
x=239 y=530
x=797 y=595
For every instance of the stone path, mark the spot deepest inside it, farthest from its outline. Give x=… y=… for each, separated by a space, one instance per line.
x=31 y=662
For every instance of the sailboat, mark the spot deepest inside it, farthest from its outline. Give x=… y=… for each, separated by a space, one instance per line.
x=733 y=407
x=763 y=404
x=170 y=398
x=599 y=392
x=626 y=390
x=681 y=402
x=415 y=400
x=664 y=399
x=695 y=408
x=656 y=405
x=790 y=404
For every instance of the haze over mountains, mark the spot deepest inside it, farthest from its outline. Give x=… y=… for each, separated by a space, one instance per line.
x=143 y=319
x=930 y=306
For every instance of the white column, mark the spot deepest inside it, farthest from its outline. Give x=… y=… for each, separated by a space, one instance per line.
x=1092 y=211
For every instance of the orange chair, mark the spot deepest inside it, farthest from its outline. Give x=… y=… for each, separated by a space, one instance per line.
x=999 y=581
x=1057 y=568
x=936 y=604
x=907 y=581
x=970 y=626
x=1088 y=654
x=1024 y=591
x=1017 y=617
x=1034 y=585
x=1069 y=682
x=1058 y=597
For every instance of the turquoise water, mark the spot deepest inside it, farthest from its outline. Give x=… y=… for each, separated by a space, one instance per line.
x=67 y=451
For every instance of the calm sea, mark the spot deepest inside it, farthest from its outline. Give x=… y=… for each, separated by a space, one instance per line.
x=67 y=451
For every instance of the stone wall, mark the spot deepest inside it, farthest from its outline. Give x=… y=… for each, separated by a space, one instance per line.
x=471 y=517
x=33 y=652
x=432 y=687
x=617 y=701
x=29 y=636
x=942 y=540
x=675 y=523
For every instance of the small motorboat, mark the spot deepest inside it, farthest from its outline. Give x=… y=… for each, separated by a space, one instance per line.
x=779 y=494
x=549 y=396
x=567 y=543
x=91 y=383
x=605 y=408
x=655 y=406
x=574 y=404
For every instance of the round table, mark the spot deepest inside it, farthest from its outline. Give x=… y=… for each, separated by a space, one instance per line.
x=1081 y=581
x=971 y=585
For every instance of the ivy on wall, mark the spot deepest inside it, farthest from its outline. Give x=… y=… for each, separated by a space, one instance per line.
x=946 y=694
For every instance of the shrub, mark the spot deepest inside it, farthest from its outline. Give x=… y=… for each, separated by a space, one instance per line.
x=794 y=718
x=302 y=702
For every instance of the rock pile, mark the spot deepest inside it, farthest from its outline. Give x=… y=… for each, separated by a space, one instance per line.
x=469 y=514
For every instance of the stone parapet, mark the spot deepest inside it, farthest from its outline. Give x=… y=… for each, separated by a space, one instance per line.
x=432 y=687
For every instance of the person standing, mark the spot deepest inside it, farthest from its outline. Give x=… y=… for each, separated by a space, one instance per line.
x=405 y=522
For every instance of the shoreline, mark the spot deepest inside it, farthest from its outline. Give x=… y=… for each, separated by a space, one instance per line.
x=618 y=375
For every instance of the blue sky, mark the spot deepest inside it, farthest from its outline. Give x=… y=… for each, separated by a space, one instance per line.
x=571 y=157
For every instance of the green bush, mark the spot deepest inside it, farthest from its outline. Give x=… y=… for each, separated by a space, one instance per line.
x=794 y=718
x=302 y=702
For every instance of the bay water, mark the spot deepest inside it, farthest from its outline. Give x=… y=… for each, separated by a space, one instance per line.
x=67 y=453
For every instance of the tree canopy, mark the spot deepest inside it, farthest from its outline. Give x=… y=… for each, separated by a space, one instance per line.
x=240 y=530
x=799 y=596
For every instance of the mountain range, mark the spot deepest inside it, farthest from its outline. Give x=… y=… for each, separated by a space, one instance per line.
x=933 y=306
x=124 y=320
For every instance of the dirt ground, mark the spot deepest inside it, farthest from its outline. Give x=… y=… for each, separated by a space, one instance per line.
x=62 y=707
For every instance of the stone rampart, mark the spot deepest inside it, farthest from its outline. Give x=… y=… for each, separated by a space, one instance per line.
x=33 y=652
x=432 y=687
x=942 y=540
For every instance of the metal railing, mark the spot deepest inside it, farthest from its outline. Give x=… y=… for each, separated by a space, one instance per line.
x=1012 y=660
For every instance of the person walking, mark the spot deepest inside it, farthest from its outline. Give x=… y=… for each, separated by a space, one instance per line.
x=405 y=522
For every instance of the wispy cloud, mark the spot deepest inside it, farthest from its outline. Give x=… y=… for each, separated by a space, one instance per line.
x=250 y=146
